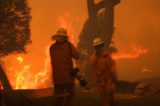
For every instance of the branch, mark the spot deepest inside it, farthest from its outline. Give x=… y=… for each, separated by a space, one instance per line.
x=4 y=80
x=91 y=8
x=100 y=5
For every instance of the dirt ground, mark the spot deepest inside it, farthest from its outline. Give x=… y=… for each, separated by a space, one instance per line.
x=84 y=99
x=89 y=99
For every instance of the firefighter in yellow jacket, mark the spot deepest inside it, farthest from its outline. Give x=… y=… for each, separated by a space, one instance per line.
x=104 y=72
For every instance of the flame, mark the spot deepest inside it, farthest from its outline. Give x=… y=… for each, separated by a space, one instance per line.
x=73 y=25
x=20 y=59
x=26 y=80
x=136 y=52
x=22 y=76
x=67 y=23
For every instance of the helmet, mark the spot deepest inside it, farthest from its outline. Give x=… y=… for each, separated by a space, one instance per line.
x=62 y=32
x=97 y=41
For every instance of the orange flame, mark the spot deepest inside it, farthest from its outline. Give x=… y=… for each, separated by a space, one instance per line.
x=67 y=21
x=26 y=80
x=22 y=76
x=20 y=59
x=137 y=52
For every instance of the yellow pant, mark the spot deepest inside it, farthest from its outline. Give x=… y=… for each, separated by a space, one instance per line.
x=106 y=92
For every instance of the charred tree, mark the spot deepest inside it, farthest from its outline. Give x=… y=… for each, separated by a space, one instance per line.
x=4 y=79
x=14 y=30
x=100 y=23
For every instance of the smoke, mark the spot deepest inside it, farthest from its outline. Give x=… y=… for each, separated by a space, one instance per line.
x=137 y=24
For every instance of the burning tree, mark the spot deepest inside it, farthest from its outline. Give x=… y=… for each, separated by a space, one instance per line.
x=14 y=30
x=100 y=23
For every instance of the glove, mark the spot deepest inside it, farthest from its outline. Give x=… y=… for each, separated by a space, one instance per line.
x=83 y=83
x=74 y=72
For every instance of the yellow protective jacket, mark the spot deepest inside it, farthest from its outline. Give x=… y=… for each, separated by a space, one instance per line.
x=104 y=67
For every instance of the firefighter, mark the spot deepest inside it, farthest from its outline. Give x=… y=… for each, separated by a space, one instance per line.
x=62 y=52
x=104 y=72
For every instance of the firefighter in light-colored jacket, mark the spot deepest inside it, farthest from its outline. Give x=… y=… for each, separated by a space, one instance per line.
x=104 y=72
x=62 y=52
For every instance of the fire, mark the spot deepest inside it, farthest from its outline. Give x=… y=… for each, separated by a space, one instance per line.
x=25 y=78
x=73 y=25
x=22 y=75
x=66 y=22
x=20 y=59
x=136 y=52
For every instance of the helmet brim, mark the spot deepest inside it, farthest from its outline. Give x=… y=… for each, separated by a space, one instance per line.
x=58 y=35
x=98 y=44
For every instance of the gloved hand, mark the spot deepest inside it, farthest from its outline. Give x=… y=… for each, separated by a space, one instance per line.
x=74 y=72
x=83 y=82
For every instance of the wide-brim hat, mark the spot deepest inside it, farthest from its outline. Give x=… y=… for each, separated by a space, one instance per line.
x=61 y=32
x=97 y=41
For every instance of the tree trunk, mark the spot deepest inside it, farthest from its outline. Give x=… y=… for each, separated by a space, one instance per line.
x=99 y=24
x=4 y=80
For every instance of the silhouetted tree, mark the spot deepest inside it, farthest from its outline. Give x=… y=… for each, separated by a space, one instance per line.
x=14 y=26
x=14 y=30
x=100 y=23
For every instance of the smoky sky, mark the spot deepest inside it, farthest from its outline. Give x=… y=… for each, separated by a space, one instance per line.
x=136 y=24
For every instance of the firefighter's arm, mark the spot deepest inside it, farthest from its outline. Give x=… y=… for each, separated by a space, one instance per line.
x=93 y=58
x=74 y=52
